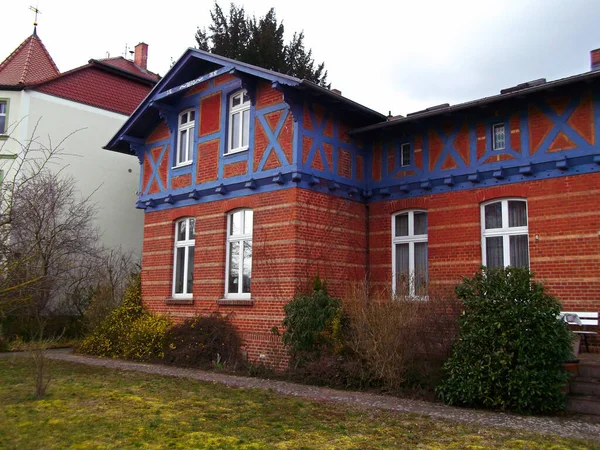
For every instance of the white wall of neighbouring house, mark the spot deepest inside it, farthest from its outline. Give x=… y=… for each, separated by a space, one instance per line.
x=110 y=179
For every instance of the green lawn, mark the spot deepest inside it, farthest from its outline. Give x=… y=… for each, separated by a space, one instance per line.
x=91 y=407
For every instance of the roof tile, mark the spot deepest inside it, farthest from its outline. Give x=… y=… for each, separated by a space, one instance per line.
x=29 y=63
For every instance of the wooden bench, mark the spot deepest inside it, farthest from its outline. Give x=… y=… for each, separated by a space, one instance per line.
x=581 y=319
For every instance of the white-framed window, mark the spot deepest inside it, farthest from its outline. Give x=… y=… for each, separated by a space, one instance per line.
x=183 y=266
x=238 y=273
x=239 y=122
x=498 y=136
x=185 y=137
x=409 y=253
x=505 y=233
x=3 y=116
x=405 y=155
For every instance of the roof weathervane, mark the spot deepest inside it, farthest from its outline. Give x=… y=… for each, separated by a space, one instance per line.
x=35 y=22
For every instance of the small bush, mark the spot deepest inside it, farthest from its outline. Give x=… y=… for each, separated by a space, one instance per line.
x=203 y=341
x=401 y=341
x=309 y=320
x=130 y=331
x=511 y=345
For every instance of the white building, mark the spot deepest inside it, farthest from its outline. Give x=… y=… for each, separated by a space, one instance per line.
x=85 y=105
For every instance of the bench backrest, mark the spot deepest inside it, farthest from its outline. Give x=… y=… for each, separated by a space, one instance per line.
x=586 y=318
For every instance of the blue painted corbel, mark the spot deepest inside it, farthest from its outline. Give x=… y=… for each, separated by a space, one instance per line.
x=474 y=178
x=278 y=179
x=562 y=164
x=333 y=186
x=250 y=184
x=314 y=180
x=498 y=174
x=526 y=169
x=194 y=195
x=296 y=177
x=367 y=193
x=597 y=159
x=449 y=181
x=426 y=185
x=169 y=199
x=384 y=192
x=150 y=203
x=404 y=188
x=221 y=190
x=140 y=205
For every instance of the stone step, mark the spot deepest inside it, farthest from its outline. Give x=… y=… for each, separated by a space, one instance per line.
x=585 y=386
x=583 y=404
x=589 y=370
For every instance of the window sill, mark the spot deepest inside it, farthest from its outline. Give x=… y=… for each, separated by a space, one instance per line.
x=235 y=301
x=236 y=151
x=179 y=301
x=180 y=166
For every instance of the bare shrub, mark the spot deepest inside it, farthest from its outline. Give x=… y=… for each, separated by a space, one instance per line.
x=402 y=339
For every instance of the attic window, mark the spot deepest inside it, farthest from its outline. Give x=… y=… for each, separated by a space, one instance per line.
x=185 y=137
x=405 y=155
x=498 y=137
x=239 y=122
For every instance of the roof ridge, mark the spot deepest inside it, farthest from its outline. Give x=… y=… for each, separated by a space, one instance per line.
x=27 y=61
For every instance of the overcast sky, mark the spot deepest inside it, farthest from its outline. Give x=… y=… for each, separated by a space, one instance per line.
x=397 y=55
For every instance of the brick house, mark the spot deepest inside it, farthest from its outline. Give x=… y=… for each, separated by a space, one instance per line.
x=252 y=182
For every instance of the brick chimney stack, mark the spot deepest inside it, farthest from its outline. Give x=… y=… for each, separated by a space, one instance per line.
x=595 y=59
x=141 y=55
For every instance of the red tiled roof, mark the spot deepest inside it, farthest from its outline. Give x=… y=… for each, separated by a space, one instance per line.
x=129 y=66
x=95 y=86
x=29 y=63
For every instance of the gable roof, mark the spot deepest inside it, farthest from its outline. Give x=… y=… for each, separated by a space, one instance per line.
x=194 y=64
x=29 y=63
x=128 y=66
x=94 y=84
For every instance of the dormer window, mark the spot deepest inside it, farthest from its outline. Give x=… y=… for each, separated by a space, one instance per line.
x=239 y=122
x=498 y=137
x=185 y=137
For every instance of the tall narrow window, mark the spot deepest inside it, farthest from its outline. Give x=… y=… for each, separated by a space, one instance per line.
x=498 y=137
x=505 y=234
x=3 y=113
x=405 y=155
x=185 y=137
x=409 y=253
x=183 y=268
x=239 y=122
x=239 y=254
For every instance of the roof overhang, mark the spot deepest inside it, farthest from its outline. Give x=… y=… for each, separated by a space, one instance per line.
x=196 y=66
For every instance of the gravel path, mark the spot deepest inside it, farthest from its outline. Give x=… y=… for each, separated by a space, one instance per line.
x=569 y=426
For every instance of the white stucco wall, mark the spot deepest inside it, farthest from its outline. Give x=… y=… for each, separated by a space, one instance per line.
x=112 y=179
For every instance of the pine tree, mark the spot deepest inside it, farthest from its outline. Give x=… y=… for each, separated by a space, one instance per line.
x=259 y=42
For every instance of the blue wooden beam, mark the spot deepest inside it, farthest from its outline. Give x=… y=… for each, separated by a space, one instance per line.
x=189 y=84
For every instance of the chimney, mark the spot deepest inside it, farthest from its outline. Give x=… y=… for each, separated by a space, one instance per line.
x=336 y=91
x=595 y=59
x=141 y=55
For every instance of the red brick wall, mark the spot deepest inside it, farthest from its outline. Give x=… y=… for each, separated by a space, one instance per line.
x=295 y=236
x=563 y=212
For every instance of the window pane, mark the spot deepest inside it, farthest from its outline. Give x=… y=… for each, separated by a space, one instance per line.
x=405 y=154
x=420 y=223
x=247 y=272
x=183 y=119
x=494 y=254
x=2 y=107
x=190 y=145
x=499 y=139
x=192 y=115
x=246 y=98
x=235 y=131
x=190 y=271
x=248 y=217
x=2 y=124
x=245 y=127
x=519 y=251
x=234 y=267
x=236 y=100
x=182 y=146
x=236 y=223
x=493 y=215
x=192 y=229
x=402 y=270
x=402 y=225
x=179 y=267
x=420 y=276
x=181 y=227
x=517 y=214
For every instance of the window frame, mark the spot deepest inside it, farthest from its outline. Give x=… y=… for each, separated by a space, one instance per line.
x=404 y=163
x=505 y=231
x=189 y=127
x=495 y=146
x=411 y=239
x=185 y=243
x=231 y=111
x=241 y=238
x=3 y=133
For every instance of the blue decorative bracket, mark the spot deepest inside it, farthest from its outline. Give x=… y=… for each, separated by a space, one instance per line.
x=250 y=184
